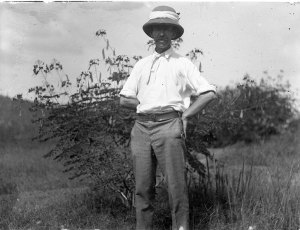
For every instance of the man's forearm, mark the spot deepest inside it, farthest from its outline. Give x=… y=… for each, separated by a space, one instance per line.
x=199 y=104
x=130 y=103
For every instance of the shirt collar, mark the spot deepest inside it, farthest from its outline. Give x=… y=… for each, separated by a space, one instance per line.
x=165 y=54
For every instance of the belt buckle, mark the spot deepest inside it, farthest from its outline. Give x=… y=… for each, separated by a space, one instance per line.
x=153 y=117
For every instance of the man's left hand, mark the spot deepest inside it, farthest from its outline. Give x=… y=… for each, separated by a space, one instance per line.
x=184 y=124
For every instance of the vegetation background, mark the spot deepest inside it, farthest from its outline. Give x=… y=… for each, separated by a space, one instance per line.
x=243 y=154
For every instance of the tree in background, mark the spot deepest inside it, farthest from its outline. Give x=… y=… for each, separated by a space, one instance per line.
x=250 y=111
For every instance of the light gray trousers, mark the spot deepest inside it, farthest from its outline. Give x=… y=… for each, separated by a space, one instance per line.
x=161 y=142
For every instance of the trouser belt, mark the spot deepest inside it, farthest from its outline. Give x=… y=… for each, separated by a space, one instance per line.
x=158 y=116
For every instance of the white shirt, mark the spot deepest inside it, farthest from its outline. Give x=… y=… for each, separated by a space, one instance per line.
x=163 y=82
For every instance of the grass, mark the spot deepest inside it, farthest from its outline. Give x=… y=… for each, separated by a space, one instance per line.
x=44 y=197
x=261 y=186
x=257 y=188
x=23 y=164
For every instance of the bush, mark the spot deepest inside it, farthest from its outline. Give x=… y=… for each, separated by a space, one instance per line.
x=249 y=111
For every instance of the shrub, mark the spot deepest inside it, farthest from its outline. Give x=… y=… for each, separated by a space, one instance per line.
x=248 y=111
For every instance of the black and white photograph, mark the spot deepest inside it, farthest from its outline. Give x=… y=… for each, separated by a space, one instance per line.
x=149 y=115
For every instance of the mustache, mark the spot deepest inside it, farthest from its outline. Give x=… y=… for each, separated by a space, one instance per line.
x=160 y=39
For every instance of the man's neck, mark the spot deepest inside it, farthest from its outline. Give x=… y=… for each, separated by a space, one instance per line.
x=160 y=51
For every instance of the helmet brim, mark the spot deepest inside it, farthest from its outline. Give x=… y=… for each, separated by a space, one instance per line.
x=147 y=27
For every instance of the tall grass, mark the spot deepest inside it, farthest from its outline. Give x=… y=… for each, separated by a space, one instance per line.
x=257 y=188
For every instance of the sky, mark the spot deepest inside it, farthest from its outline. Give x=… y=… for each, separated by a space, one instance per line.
x=236 y=38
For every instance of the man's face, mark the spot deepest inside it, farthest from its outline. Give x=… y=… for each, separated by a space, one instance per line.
x=162 y=35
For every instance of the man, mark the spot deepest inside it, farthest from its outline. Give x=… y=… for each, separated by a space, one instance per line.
x=159 y=89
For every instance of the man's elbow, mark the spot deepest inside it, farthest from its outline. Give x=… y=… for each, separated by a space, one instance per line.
x=211 y=95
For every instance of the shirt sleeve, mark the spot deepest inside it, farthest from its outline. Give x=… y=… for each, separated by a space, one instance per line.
x=196 y=81
x=130 y=88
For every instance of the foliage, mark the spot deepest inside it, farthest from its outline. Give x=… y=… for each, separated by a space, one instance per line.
x=90 y=128
x=249 y=111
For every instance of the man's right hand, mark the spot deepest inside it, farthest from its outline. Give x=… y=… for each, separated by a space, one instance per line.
x=128 y=102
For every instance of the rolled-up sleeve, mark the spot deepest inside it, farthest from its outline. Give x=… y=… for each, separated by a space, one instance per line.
x=196 y=81
x=130 y=88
